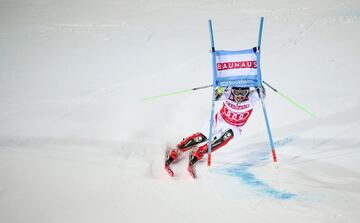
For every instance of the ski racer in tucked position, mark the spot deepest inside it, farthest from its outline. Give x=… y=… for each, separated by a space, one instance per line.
x=238 y=104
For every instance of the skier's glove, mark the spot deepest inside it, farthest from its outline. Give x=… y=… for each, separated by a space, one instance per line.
x=218 y=92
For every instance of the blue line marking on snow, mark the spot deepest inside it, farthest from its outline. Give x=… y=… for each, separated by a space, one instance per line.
x=243 y=173
x=250 y=179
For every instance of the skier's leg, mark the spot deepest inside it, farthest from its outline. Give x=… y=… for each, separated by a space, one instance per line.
x=184 y=146
x=215 y=145
x=190 y=141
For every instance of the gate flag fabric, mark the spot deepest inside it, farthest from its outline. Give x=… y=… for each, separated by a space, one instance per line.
x=237 y=68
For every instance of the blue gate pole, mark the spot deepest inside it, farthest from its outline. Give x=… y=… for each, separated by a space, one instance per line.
x=213 y=92
x=262 y=101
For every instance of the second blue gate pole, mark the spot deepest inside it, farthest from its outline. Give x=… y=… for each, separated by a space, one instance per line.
x=273 y=152
x=213 y=92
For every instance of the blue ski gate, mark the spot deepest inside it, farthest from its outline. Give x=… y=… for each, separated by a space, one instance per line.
x=239 y=68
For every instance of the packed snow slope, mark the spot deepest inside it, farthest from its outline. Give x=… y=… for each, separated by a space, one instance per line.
x=78 y=143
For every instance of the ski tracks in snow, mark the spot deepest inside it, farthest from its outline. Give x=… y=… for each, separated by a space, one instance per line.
x=128 y=156
x=301 y=34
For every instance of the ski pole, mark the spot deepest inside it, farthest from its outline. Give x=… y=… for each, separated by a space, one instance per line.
x=176 y=92
x=179 y=92
x=291 y=100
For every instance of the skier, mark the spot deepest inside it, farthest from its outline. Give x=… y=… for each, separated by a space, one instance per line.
x=238 y=104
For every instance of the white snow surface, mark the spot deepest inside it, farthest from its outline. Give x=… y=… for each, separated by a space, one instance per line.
x=78 y=143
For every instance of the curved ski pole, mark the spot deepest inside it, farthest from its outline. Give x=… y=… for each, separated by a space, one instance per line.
x=292 y=101
x=287 y=98
x=176 y=92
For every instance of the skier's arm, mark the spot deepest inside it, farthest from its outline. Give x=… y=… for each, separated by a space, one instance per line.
x=254 y=94
x=262 y=92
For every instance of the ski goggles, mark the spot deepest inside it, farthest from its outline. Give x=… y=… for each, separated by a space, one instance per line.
x=240 y=92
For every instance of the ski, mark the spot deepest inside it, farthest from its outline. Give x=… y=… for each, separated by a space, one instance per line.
x=190 y=168
x=166 y=165
x=191 y=171
x=168 y=170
